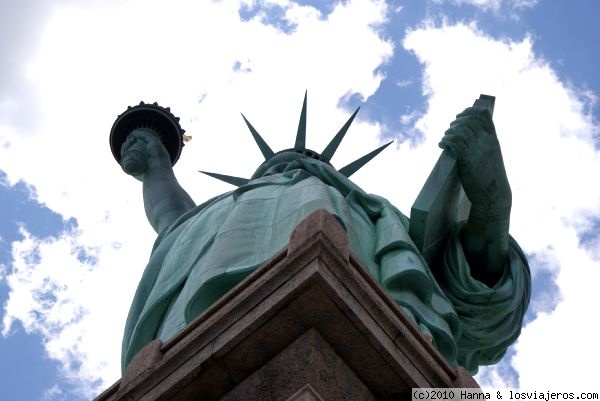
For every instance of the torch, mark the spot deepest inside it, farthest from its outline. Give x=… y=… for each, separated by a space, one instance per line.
x=148 y=117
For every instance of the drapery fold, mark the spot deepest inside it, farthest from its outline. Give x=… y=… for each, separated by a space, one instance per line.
x=208 y=250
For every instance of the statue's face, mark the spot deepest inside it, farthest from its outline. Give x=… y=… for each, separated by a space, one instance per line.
x=280 y=161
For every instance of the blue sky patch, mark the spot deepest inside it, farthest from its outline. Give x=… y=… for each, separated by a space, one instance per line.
x=545 y=293
x=504 y=369
x=269 y=14
x=590 y=235
x=25 y=351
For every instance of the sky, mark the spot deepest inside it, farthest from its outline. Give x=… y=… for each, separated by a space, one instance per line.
x=74 y=239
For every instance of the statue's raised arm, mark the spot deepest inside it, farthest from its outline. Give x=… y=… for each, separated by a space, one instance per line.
x=146 y=140
x=144 y=156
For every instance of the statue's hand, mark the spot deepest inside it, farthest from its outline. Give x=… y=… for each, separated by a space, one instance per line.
x=143 y=151
x=472 y=139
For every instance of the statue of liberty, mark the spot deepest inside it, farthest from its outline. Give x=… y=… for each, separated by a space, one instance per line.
x=470 y=300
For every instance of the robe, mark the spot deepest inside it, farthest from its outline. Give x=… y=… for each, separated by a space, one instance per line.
x=211 y=248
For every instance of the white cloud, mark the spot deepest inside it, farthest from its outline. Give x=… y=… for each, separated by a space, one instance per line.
x=546 y=132
x=520 y=4
x=53 y=394
x=404 y=83
x=91 y=64
x=484 y=4
x=494 y=378
x=495 y=5
x=69 y=303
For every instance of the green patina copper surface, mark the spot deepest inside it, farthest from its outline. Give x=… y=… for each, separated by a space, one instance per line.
x=472 y=302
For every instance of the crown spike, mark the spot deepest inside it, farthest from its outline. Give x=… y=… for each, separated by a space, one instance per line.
x=356 y=165
x=264 y=148
x=237 y=181
x=301 y=135
x=329 y=151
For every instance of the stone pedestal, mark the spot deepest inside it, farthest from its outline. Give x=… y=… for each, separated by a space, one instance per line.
x=311 y=324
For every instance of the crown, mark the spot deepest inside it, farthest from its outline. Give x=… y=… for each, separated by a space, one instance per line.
x=300 y=151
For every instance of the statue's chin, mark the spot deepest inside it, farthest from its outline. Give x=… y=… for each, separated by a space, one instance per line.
x=277 y=169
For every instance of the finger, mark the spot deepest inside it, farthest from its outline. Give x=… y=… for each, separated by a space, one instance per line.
x=459 y=145
x=484 y=115
x=474 y=124
x=135 y=148
x=134 y=162
x=454 y=139
x=145 y=135
x=459 y=120
x=453 y=146
x=140 y=135
x=127 y=144
x=475 y=120
x=465 y=113
x=447 y=146
x=461 y=132
x=472 y=114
